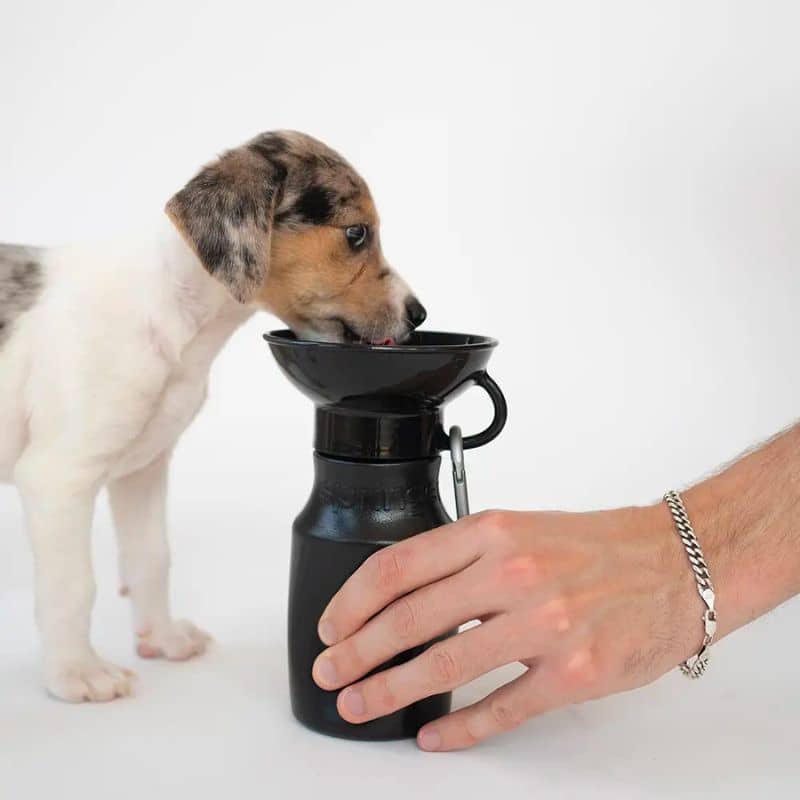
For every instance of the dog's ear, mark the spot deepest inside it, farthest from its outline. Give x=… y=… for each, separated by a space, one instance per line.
x=225 y=213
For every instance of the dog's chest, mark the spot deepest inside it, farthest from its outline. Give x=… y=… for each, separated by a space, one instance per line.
x=181 y=398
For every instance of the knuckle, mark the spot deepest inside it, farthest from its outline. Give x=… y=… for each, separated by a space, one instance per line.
x=505 y=715
x=495 y=525
x=388 y=568
x=580 y=672
x=403 y=618
x=384 y=693
x=555 y=617
x=492 y=518
x=348 y=659
x=522 y=571
x=445 y=669
x=468 y=733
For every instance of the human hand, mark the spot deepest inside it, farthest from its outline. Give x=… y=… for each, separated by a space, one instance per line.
x=591 y=603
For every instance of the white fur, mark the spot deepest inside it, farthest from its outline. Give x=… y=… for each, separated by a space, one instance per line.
x=97 y=382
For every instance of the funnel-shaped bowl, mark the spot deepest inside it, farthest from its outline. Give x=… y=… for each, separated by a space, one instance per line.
x=425 y=370
x=399 y=385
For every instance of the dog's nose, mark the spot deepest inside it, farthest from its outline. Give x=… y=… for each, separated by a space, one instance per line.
x=415 y=312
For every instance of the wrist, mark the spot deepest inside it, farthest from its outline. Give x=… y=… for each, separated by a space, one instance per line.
x=684 y=607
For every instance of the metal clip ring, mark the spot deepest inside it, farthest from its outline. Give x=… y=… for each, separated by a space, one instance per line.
x=459 y=472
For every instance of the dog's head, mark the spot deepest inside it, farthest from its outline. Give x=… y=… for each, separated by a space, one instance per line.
x=286 y=223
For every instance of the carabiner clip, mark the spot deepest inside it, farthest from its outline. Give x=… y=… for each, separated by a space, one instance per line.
x=459 y=472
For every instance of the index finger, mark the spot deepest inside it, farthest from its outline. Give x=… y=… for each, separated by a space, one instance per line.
x=395 y=571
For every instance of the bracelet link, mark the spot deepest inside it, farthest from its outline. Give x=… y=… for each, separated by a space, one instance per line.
x=695 y=666
x=710 y=615
x=710 y=621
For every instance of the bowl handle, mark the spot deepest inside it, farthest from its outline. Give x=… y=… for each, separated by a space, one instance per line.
x=484 y=380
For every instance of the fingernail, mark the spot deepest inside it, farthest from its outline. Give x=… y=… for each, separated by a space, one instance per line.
x=325 y=670
x=326 y=631
x=430 y=740
x=353 y=701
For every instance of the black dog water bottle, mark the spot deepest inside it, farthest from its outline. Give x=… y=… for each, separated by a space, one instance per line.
x=378 y=437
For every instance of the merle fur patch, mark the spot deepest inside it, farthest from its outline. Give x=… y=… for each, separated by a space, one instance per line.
x=228 y=209
x=269 y=146
x=225 y=212
x=318 y=183
x=20 y=283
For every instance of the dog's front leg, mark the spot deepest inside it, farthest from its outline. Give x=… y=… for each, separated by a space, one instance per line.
x=58 y=497
x=138 y=503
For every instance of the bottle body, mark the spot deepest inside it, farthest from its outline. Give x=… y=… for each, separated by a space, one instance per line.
x=355 y=509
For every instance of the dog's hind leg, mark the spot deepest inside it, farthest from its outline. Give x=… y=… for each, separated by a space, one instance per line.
x=58 y=495
x=138 y=504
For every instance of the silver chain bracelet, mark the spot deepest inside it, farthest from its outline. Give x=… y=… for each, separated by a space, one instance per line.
x=696 y=665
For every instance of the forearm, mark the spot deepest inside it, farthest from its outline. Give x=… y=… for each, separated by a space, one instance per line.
x=747 y=519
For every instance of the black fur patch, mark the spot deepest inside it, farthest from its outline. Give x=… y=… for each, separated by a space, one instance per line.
x=20 y=283
x=314 y=206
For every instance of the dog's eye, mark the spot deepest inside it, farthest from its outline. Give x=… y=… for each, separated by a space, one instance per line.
x=356 y=236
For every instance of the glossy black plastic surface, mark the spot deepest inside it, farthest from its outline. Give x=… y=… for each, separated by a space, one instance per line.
x=354 y=510
x=385 y=402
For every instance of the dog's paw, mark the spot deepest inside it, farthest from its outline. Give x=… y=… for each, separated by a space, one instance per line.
x=177 y=641
x=89 y=679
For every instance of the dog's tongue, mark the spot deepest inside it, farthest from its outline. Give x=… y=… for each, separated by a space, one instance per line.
x=385 y=342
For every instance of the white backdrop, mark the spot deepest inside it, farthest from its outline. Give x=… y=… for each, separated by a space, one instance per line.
x=611 y=189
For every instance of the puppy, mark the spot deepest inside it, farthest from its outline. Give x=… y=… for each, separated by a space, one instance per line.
x=104 y=358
